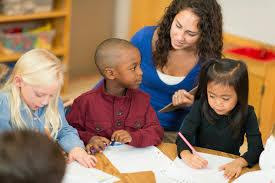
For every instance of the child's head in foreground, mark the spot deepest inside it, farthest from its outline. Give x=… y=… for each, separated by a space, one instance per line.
x=30 y=157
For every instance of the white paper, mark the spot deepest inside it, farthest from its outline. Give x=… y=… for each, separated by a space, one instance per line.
x=210 y=174
x=260 y=176
x=214 y=161
x=76 y=173
x=128 y=159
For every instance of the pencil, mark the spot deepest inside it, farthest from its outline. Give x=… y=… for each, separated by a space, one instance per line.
x=187 y=143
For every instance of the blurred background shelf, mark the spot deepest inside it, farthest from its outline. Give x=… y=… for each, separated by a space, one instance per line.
x=34 y=16
x=59 y=51
x=60 y=20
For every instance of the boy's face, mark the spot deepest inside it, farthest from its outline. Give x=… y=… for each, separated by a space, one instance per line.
x=128 y=71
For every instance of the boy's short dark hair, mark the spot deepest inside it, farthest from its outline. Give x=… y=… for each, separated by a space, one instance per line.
x=108 y=52
x=30 y=157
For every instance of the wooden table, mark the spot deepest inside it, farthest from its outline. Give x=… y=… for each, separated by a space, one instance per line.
x=148 y=177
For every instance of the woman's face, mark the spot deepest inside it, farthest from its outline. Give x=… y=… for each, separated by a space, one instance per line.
x=184 y=32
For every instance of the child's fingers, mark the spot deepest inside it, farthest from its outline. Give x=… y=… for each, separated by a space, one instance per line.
x=199 y=164
x=203 y=163
x=105 y=140
x=114 y=135
x=194 y=162
x=96 y=148
x=69 y=159
x=119 y=138
x=125 y=139
x=91 y=161
x=92 y=148
x=101 y=146
x=195 y=165
x=83 y=162
x=238 y=173
x=88 y=148
x=128 y=140
x=229 y=173
x=222 y=167
x=118 y=135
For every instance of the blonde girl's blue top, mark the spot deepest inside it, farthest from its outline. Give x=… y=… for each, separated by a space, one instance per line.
x=161 y=93
x=67 y=136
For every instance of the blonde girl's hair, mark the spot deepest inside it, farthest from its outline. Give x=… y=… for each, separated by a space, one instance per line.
x=37 y=67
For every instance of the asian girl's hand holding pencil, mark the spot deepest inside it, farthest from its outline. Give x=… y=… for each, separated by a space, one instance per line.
x=192 y=160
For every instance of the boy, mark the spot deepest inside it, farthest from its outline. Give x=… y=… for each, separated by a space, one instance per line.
x=116 y=110
x=28 y=156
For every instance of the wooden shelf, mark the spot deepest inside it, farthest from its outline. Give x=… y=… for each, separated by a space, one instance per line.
x=34 y=16
x=60 y=19
x=59 y=51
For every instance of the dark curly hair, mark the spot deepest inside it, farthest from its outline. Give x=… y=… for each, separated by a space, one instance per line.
x=210 y=26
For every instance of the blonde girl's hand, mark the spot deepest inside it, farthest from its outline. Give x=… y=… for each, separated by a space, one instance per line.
x=81 y=156
x=234 y=168
x=193 y=160
x=182 y=98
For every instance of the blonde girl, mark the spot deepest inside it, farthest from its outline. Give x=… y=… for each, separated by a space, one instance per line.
x=30 y=100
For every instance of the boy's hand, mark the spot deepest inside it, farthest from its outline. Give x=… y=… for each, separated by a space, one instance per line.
x=80 y=155
x=121 y=136
x=193 y=160
x=234 y=168
x=97 y=144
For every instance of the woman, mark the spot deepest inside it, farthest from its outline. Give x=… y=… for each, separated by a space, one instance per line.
x=189 y=33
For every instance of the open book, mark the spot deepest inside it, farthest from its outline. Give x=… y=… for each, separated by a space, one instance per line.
x=171 y=107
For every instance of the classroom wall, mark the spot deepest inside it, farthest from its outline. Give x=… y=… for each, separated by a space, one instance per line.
x=92 y=22
x=145 y=13
x=121 y=18
x=254 y=19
